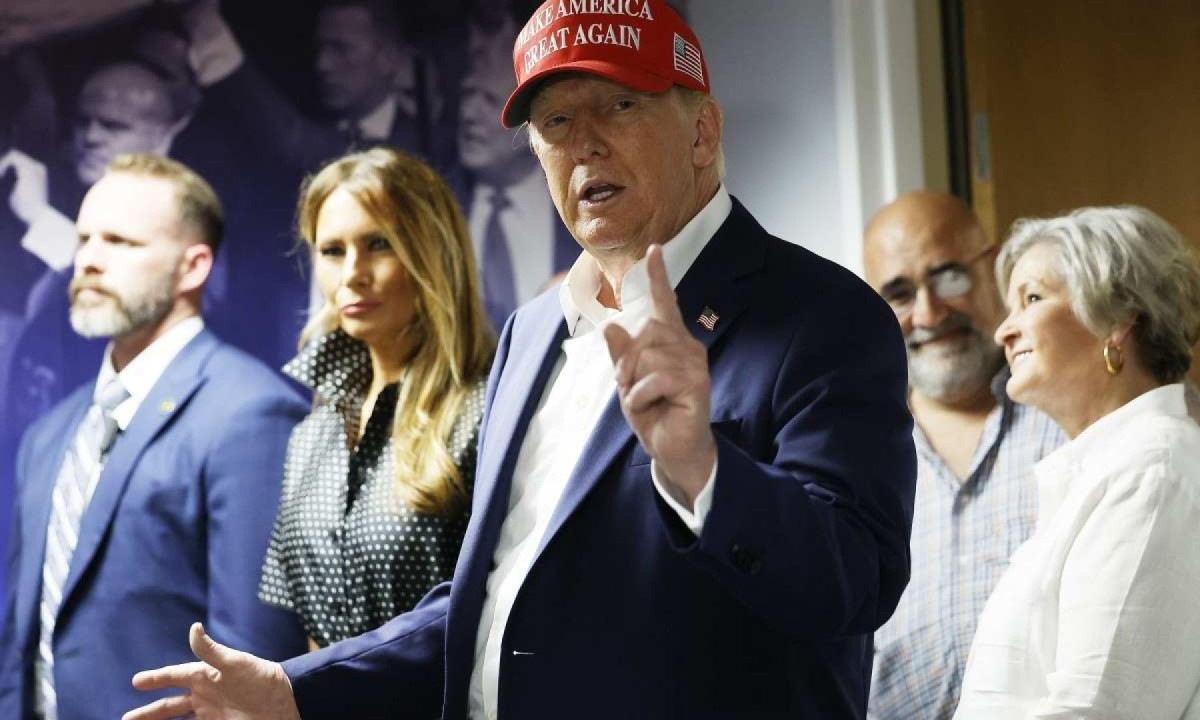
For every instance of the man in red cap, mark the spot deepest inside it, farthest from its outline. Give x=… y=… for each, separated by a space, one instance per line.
x=695 y=474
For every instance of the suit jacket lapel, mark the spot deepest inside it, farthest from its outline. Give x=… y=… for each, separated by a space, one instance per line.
x=611 y=434
x=517 y=395
x=713 y=285
x=538 y=332
x=166 y=399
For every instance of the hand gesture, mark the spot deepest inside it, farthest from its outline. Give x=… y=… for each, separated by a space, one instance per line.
x=30 y=194
x=663 y=385
x=225 y=685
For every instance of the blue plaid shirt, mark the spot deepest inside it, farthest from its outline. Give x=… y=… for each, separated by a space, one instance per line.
x=963 y=534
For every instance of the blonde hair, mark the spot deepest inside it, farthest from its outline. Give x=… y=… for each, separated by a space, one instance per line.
x=420 y=218
x=198 y=203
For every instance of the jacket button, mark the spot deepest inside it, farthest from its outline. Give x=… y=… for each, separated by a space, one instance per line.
x=745 y=560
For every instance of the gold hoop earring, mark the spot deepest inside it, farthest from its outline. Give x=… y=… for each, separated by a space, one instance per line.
x=1114 y=361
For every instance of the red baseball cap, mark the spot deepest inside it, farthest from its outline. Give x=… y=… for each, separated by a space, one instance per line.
x=641 y=44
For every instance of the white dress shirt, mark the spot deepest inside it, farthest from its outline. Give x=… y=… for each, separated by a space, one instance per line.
x=580 y=386
x=1098 y=615
x=376 y=126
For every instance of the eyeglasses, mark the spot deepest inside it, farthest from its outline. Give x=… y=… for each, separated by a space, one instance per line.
x=946 y=281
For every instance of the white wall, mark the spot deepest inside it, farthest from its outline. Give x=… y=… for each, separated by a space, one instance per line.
x=822 y=111
x=771 y=63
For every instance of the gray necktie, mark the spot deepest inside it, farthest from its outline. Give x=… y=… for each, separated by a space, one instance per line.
x=83 y=462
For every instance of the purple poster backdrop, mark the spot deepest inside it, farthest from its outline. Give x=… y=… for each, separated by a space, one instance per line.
x=252 y=96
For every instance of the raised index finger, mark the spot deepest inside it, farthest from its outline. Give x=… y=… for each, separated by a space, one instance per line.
x=663 y=304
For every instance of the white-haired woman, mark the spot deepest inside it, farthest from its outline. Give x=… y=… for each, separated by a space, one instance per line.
x=1098 y=615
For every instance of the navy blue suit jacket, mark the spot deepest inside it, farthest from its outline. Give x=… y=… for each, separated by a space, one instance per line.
x=769 y=612
x=175 y=532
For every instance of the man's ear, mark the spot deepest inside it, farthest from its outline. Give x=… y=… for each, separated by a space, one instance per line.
x=195 y=267
x=710 y=122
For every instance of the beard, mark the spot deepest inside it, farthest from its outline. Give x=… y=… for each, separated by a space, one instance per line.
x=114 y=313
x=955 y=369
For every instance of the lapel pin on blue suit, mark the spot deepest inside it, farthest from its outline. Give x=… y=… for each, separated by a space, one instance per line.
x=166 y=406
x=708 y=318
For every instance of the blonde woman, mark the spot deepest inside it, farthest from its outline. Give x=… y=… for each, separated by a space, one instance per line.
x=377 y=481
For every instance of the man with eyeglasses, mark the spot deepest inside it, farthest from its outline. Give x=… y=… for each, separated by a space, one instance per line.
x=928 y=257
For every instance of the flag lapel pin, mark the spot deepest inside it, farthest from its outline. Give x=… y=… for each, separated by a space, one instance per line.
x=708 y=318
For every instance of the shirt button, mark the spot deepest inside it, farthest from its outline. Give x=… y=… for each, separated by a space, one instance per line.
x=491 y=715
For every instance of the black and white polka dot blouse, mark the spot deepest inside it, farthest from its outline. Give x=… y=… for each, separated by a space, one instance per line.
x=346 y=553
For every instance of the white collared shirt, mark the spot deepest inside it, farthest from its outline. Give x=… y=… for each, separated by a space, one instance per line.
x=142 y=372
x=377 y=124
x=528 y=225
x=579 y=388
x=1096 y=615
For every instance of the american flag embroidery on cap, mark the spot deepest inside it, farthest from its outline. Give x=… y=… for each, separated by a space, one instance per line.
x=687 y=59
x=708 y=318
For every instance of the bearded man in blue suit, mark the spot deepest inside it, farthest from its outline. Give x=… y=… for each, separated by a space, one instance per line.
x=144 y=500
x=696 y=473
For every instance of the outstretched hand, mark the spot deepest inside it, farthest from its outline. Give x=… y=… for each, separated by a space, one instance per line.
x=663 y=385
x=225 y=685
x=30 y=193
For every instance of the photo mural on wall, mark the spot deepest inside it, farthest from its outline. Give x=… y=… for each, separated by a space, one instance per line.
x=253 y=96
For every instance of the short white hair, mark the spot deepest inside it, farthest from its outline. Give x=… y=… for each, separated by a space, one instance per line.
x=1121 y=264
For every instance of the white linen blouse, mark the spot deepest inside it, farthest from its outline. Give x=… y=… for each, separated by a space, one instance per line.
x=1098 y=614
